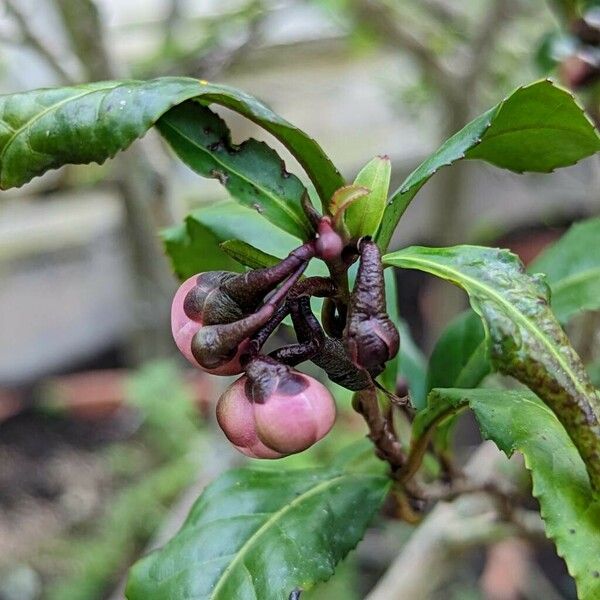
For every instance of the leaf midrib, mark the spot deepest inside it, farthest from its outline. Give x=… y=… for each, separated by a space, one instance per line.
x=273 y=519
x=217 y=159
x=563 y=282
x=44 y=112
x=519 y=316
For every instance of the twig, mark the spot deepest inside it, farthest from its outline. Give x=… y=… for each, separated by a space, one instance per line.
x=140 y=189
x=209 y=62
x=429 y=557
x=85 y=31
x=443 y=12
x=218 y=62
x=171 y=22
x=381 y=433
x=419 y=447
x=35 y=42
x=384 y=22
x=436 y=493
x=484 y=42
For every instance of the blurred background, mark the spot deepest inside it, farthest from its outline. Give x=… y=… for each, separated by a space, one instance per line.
x=105 y=436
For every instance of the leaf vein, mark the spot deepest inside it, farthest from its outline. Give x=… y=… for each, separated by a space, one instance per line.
x=518 y=316
x=273 y=519
x=39 y=115
x=279 y=201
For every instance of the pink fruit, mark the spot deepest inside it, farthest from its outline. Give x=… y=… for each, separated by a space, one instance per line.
x=235 y=415
x=184 y=325
x=295 y=416
x=297 y=412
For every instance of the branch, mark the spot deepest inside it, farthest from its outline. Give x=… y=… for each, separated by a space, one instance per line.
x=219 y=58
x=384 y=22
x=381 y=432
x=484 y=42
x=441 y=11
x=85 y=32
x=171 y=22
x=141 y=189
x=219 y=61
x=430 y=556
x=30 y=38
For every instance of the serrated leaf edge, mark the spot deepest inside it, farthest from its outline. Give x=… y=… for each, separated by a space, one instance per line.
x=435 y=267
x=276 y=516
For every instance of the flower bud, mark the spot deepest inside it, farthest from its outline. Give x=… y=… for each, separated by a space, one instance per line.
x=329 y=244
x=275 y=410
x=292 y=411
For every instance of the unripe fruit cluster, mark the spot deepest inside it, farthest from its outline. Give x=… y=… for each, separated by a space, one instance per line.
x=273 y=410
x=220 y=321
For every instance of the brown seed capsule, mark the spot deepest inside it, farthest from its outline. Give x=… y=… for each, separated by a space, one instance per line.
x=186 y=322
x=370 y=337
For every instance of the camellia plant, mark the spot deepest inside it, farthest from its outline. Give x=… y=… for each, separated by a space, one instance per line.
x=270 y=534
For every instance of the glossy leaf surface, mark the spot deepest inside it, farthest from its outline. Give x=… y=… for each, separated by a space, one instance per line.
x=188 y=245
x=525 y=339
x=539 y=127
x=252 y=172
x=518 y=421
x=248 y=255
x=260 y=533
x=573 y=274
x=47 y=128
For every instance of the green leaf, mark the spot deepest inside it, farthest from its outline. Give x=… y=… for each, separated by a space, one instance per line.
x=572 y=269
x=47 y=128
x=364 y=216
x=260 y=533
x=459 y=358
x=248 y=255
x=341 y=201
x=344 y=197
x=526 y=341
x=409 y=362
x=252 y=172
x=186 y=245
x=593 y=370
x=413 y=366
x=193 y=248
x=517 y=421
x=539 y=127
